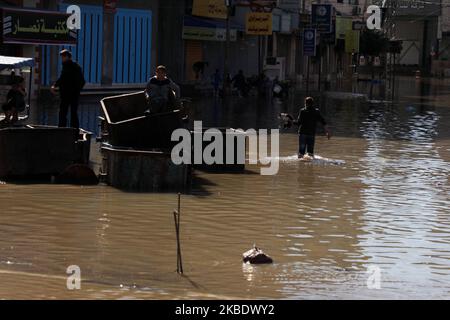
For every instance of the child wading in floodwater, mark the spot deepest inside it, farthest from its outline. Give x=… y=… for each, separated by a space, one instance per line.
x=307 y=121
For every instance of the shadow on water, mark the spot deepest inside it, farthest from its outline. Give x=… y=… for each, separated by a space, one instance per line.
x=25 y=181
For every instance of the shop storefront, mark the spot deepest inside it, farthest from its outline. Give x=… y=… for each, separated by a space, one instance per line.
x=131 y=43
x=204 y=39
x=24 y=30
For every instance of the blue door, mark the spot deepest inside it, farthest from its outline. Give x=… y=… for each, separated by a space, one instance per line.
x=132 y=46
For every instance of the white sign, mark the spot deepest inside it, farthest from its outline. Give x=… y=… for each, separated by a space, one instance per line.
x=374 y=20
x=74 y=21
x=74 y=278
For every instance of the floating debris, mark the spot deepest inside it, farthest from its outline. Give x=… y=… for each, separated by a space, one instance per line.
x=286 y=120
x=256 y=256
x=78 y=174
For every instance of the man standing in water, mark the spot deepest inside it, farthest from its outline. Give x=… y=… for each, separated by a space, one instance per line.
x=161 y=92
x=70 y=83
x=307 y=121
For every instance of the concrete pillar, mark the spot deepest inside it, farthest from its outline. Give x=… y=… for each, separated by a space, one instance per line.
x=274 y=45
x=171 y=49
x=30 y=51
x=108 y=49
x=154 y=6
x=292 y=58
x=54 y=54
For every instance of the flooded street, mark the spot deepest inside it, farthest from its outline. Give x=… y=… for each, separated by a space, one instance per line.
x=387 y=205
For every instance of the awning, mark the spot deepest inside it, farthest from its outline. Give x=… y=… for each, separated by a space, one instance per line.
x=191 y=21
x=15 y=62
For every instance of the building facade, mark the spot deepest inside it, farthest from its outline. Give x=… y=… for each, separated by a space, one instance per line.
x=417 y=24
x=118 y=45
x=121 y=47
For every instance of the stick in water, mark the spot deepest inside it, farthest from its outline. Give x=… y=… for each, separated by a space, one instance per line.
x=176 y=217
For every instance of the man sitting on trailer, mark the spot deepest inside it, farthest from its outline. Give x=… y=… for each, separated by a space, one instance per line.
x=161 y=92
x=15 y=101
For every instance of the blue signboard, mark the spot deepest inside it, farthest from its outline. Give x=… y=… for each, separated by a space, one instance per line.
x=321 y=17
x=309 y=42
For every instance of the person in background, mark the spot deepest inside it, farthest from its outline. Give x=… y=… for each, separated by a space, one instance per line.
x=229 y=80
x=240 y=83
x=260 y=84
x=277 y=88
x=161 y=92
x=15 y=101
x=199 y=69
x=216 y=82
x=354 y=61
x=70 y=83
x=268 y=84
x=307 y=121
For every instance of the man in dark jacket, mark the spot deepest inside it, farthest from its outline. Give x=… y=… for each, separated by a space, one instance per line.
x=161 y=92
x=70 y=83
x=307 y=121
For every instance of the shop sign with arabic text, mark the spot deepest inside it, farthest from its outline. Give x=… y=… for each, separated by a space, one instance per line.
x=259 y=23
x=36 y=27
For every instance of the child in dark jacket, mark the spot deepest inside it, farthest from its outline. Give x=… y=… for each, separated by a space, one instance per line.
x=15 y=101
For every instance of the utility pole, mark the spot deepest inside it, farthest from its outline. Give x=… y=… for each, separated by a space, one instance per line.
x=225 y=84
x=303 y=56
x=307 y=74
x=389 y=30
x=259 y=55
x=320 y=57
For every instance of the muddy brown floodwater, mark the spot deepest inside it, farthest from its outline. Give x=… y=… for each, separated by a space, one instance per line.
x=326 y=226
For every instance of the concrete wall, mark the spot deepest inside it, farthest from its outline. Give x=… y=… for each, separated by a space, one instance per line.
x=419 y=37
x=412 y=36
x=243 y=52
x=170 y=43
x=243 y=55
x=445 y=19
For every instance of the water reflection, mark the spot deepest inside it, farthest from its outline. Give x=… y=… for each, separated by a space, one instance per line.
x=406 y=198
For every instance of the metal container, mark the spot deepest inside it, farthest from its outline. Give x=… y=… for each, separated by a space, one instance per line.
x=125 y=123
x=41 y=150
x=143 y=171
